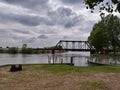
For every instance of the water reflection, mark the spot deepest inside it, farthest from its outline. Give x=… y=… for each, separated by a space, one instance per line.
x=107 y=60
x=79 y=59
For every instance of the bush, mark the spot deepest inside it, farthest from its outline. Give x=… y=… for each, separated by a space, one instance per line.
x=2 y=51
x=13 y=50
x=27 y=51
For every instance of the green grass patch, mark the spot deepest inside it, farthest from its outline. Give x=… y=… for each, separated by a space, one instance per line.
x=65 y=69
x=89 y=69
x=93 y=85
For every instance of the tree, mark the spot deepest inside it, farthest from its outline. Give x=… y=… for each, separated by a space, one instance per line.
x=56 y=47
x=109 y=29
x=99 y=39
x=13 y=50
x=24 y=46
x=107 y=5
x=112 y=26
x=26 y=50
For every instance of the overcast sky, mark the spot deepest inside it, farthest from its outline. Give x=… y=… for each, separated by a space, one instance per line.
x=41 y=23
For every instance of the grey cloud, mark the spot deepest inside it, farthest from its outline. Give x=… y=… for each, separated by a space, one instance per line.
x=65 y=37
x=42 y=37
x=49 y=21
x=23 y=19
x=2 y=31
x=29 y=20
x=5 y=33
x=18 y=38
x=64 y=11
x=77 y=20
x=48 y=31
x=21 y=31
x=60 y=13
x=12 y=31
x=87 y=26
x=62 y=16
x=69 y=24
x=65 y=17
x=29 y=40
x=32 y=4
x=12 y=34
x=72 y=1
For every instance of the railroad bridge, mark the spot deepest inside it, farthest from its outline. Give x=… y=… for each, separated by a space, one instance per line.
x=70 y=45
x=75 y=45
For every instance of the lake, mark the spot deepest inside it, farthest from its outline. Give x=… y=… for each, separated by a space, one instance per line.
x=79 y=59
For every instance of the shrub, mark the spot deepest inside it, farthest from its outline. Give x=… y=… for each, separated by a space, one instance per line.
x=13 y=50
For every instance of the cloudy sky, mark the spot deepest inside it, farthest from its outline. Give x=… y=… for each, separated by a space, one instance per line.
x=41 y=23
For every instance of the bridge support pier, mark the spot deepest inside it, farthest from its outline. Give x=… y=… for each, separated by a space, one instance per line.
x=92 y=51
x=71 y=61
x=53 y=53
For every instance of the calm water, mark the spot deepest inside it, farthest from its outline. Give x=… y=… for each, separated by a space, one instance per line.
x=79 y=59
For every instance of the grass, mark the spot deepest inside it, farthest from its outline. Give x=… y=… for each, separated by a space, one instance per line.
x=60 y=77
x=93 y=85
x=89 y=69
x=56 y=69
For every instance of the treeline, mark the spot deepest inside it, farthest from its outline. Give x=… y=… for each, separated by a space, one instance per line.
x=106 y=34
x=55 y=47
x=15 y=50
x=26 y=50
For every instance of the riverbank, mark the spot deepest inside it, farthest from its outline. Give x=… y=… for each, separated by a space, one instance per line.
x=14 y=50
x=60 y=77
x=110 y=54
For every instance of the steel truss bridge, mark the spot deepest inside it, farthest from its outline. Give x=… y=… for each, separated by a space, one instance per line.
x=68 y=45
x=75 y=45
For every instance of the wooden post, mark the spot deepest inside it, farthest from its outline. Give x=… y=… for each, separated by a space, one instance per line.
x=71 y=61
x=53 y=53
x=61 y=61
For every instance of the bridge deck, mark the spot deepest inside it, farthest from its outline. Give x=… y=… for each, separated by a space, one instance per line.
x=65 y=49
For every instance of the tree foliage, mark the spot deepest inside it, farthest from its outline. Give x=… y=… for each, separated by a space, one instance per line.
x=99 y=39
x=56 y=47
x=13 y=50
x=26 y=50
x=112 y=26
x=106 y=33
x=107 y=5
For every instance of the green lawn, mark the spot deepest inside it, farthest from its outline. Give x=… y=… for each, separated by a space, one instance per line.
x=78 y=69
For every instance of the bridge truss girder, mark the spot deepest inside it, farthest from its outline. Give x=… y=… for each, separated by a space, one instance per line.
x=75 y=45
